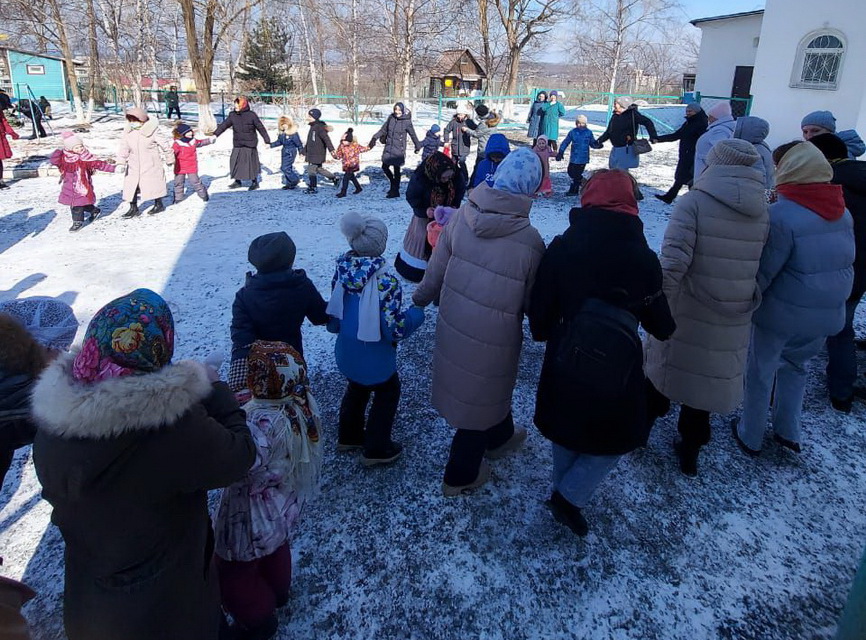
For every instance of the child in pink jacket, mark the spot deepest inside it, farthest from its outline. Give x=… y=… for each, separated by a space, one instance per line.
x=76 y=166
x=545 y=153
x=185 y=149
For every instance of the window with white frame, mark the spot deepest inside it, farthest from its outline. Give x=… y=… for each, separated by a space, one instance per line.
x=819 y=61
x=36 y=69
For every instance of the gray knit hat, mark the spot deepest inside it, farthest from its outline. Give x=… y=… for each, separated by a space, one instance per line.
x=50 y=321
x=367 y=235
x=824 y=119
x=272 y=252
x=624 y=101
x=733 y=152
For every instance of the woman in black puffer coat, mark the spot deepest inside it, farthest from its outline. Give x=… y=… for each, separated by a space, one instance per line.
x=692 y=129
x=393 y=135
x=244 y=162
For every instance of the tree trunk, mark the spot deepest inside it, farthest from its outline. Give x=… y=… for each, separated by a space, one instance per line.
x=485 y=37
x=512 y=67
x=618 y=45
x=201 y=56
x=311 y=59
x=355 y=70
x=69 y=61
x=95 y=71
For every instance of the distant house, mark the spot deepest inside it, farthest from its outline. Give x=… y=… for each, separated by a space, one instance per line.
x=457 y=73
x=791 y=58
x=44 y=74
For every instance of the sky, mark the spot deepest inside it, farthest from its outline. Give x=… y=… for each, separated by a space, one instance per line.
x=707 y=8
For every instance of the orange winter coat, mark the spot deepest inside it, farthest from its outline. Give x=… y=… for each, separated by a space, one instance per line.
x=350 y=154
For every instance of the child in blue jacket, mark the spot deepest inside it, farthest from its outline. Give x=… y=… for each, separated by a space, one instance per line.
x=432 y=142
x=290 y=141
x=581 y=140
x=494 y=153
x=367 y=313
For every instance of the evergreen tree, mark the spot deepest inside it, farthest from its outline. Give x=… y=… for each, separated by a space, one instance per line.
x=266 y=63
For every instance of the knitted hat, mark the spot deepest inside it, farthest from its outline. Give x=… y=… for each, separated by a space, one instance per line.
x=314 y=113
x=435 y=129
x=610 y=189
x=275 y=371
x=694 y=106
x=581 y=119
x=272 y=252
x=348 y=136
x=554 y=93
x=50 y=321
x=803 y=164
x=182 y=130
x=830 y=145
x=130 y=335
x=481 y=110
x=824 y=119
x=624 y=101
x=733 y=152
x=367 y=235
x=720 y=110
x=70 y=140
x=138 y=113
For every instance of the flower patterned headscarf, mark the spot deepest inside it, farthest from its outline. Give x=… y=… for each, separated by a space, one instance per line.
x=520 y=173
x=441 y=193
x=133 y=334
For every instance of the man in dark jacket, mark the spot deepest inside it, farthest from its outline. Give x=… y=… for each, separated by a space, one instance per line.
x=461 y=141
x=393 y=135
x=688 y=134
x=32 y=112
x=316 y=150
x=5 y=100
x=841 y=351
x=622 y=131
x=172 y=102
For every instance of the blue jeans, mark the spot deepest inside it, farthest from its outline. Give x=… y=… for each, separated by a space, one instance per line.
x=842 y=357
x=577 y=475
x=774 y=356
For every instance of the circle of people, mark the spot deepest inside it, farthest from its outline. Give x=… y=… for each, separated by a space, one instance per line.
x=749 y=284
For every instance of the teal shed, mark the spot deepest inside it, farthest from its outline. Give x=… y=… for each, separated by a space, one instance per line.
x=43 y=73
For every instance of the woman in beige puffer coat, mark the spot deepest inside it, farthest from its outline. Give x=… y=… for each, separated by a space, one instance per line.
x=710 y=258
x=145 y=152
x=482 y=270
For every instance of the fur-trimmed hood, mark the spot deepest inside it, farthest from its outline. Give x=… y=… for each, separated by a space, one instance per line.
x=287 y=121
x=110 y=408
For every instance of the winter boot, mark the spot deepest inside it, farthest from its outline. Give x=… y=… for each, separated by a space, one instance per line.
x=512 y=444
x=843 y=405
x=335 y=179
x=312 y=184
x=264 y=631
x=450 y=491
x=341 y=194
x=3 y=185
x=787 y=444
x=566 y=513
x=235 y=185
x=254 y=185
x=157 y=207
x=76 y=226
x=667 y=199
x=389 y=454
x=573 y=190
x=688 y=457
x=132 y=212
x=357 y=190
x=289 y=187
x=95 y=212
x=735 y=424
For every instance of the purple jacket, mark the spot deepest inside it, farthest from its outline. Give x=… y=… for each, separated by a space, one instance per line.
x=76 y=175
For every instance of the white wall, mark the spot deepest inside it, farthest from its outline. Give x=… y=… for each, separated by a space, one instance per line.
x=725 y=45
x=786 y=23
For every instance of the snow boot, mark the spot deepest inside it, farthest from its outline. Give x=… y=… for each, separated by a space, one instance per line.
x=688 y=457
x=95 y=213
x=566 y=513
x=235 y=185
x=76 y=226
x=665 y=198
x=132 y=212
x=842 y=405
x=254 y=186
x=357 y=190
x=450 y=491
x=157 y=207
x=264 y=631
x=512 y=444
x=389 y=454
x=289 y=187
x=3 y=185
x=335 y=179
x=341 y=194
x=312 y=183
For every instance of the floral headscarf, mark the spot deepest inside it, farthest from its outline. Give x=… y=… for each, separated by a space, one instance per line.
x=520 y=173
x=440 y=193
x=130 y=335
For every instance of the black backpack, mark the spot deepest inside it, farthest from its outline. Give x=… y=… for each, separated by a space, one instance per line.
x=600 y=351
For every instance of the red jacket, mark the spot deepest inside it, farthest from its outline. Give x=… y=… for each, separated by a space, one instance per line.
x=186 y=155
x=76 y=176
x=5 y=129
x=350 y=154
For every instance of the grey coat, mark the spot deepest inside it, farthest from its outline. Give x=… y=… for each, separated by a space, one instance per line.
x=722 y=129
x=755 y=130
x=710 y=257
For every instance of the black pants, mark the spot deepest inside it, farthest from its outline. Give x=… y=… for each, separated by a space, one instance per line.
x=693 y=424
x=392 y=171
x=35 y=123
x=78 y=212
x=377 y=434
x=575 y=172
x=461 y=165
x=349 y=176
x=172 y=108
x=468 y=447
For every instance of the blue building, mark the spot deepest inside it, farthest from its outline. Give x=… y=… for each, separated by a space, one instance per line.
x=44 y=73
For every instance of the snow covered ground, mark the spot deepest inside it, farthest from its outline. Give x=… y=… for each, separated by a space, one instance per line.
x=752 y=549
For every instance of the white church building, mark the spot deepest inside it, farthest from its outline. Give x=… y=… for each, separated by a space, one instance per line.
x=793 y=57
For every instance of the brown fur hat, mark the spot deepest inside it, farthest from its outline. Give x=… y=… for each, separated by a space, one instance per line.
x=494 y=119
x=19 y=352
x=287 y=123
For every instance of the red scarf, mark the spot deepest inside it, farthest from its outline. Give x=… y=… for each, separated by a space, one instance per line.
x=822 y=198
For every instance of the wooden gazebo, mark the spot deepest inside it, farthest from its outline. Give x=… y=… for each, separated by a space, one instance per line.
x=457 y=73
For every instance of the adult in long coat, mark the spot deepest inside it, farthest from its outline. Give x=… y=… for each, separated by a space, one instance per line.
x=710 y=257
x=126 y=449
x=482 y=272
x=393 y=135
x=145 y=152
x=535 y=118
x=755 y=130
x=622 y=130
x=244 y=162
x=688 y=134
x=553 y=111
x=603 y=254
x=721 y=127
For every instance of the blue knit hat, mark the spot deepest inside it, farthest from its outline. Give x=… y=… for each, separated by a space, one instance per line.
x=824 y=119
x=435 y=129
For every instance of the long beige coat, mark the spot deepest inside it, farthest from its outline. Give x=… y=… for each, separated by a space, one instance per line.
x=145 y=152
x=484 y=265
x=710 y=257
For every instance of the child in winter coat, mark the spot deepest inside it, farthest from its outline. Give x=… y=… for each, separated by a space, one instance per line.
x=318 y=144
x=144 y=151
x=258 y=514
x=5 y=148
x=581 y=140
x=544 y=154
x=431 y=142
x=367 y=307
x=76 y=165
x=290 y=142
x=349 y=152
x=487 y=121
x=185 y=149
x=272 y=304
x=495 y=152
